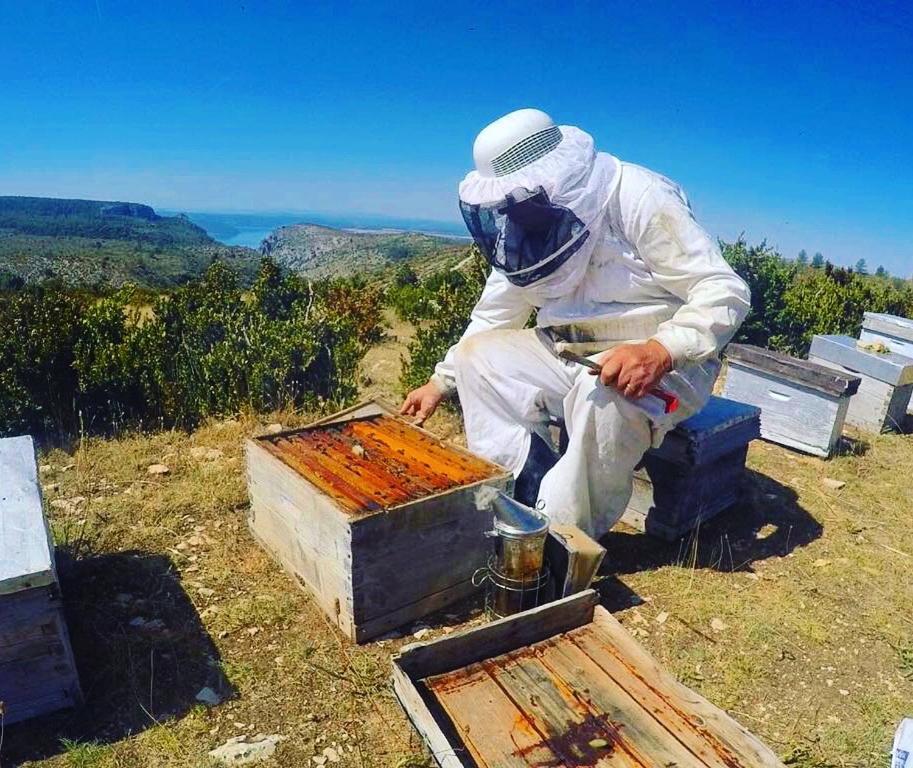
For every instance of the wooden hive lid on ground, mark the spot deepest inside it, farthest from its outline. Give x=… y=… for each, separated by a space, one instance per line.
x=891 y=325
x=26 y=552
x=845 y=351
x=802 y=372
x=719 y=428
x=375 y=462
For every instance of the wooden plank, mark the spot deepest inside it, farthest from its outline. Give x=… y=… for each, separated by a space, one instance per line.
x=460 y=649
x=890 y=368
x=785 y=368
x=495 y=728
x=26 y=549
x=571 y=712
x=446 y=752
x=584 y=654
x=749 y=751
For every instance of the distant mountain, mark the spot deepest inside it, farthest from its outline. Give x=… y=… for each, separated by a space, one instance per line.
x=317 y=251
x=99 y=242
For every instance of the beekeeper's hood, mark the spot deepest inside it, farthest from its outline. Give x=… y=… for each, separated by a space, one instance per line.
x=536 y=200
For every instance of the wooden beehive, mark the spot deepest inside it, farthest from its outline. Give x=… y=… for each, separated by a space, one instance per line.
x=376 y=517
x=562 y=685
x=37 y=671
x=881 y=403
x=896 y=333
x=696 y=473
x=803 y=405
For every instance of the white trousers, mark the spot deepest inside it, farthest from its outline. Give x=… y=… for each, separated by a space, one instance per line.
x=511 y=385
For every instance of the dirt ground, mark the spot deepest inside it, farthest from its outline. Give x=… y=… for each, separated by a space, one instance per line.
x=792 y=611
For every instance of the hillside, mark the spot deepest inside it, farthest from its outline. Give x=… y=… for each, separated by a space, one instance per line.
x=317 y=251
x=96 y=242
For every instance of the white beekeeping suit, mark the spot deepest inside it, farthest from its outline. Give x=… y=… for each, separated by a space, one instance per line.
x=606 y=253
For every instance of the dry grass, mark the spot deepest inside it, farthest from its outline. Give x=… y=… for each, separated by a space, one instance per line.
x=792 y=611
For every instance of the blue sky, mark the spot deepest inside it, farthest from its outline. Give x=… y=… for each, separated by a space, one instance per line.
x=788 y=121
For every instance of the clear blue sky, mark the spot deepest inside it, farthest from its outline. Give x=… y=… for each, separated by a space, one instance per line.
x=785 y=120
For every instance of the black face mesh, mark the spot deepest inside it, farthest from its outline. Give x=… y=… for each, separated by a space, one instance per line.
x=527 y=151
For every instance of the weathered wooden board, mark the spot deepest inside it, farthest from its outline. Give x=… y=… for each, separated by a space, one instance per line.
x=696 y=473
x=37 y=671
x=562 y=686
x=784 y=368
x=375 y=516
x=884 y=395
x=794 y=413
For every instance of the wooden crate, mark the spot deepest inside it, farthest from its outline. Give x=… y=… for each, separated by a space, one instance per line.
x=562 y=685
x=696 y=473
x=37 y=671
x=375 y=516
x=881 y=403
x=803 y=405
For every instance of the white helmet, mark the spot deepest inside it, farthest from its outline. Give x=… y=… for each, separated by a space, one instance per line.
x=514 y=141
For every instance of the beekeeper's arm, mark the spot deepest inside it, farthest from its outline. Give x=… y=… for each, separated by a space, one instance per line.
x=687 y=262
x=501 y=305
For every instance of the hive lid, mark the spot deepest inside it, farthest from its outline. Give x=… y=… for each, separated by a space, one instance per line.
x=889 y=367
x=721 y=427
x=803 y=372
x=26 y=552
x=891 y=325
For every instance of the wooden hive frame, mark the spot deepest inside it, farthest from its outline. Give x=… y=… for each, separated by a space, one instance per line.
x=373 y=552
x=562 y=685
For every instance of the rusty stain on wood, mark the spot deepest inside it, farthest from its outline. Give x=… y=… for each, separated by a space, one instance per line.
x=573 y=701
x=377 y=462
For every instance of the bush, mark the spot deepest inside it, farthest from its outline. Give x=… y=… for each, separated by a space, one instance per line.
x=205 y=349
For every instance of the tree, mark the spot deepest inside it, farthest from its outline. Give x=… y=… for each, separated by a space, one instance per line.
x=881 y=271
x=818 y=261
x=861 y=267
x=802 y=258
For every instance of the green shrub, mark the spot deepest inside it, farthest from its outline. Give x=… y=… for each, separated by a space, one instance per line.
x=207 y=348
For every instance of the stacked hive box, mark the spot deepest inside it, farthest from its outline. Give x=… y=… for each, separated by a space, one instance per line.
x=896 y=333
x=803 y=405
x=881 y=403
x=375 y=516
x=37 y=673
x=696 y=473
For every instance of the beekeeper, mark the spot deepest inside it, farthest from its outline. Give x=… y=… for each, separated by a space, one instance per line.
x=610 y=259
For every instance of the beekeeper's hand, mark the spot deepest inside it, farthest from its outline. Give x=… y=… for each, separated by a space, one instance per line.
x=634 y=369
x=422 y=402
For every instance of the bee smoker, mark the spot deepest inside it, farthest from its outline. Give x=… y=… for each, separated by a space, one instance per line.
x=517 y=575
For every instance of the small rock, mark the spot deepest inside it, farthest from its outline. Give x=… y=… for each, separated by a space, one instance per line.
x=718 y=625
x=834 y=485
x=331 y=754
x=844 y=692
x=241 y=751
x=208 y=697
x=158 y=469
x=44 y=468
x=272 y=429
x=423 y=632
x=661 y=618
x=319 y=759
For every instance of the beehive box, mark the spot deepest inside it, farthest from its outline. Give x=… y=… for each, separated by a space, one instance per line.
x=881 y=403
x=37 y=671
x=696 y=473
x=896 y=333
x=562 y=685
x=376 y=517
x=803 y=405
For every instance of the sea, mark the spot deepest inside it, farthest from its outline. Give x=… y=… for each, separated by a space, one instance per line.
x=250 y=229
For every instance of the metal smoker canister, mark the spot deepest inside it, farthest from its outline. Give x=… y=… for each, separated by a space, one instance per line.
x=517 y=575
